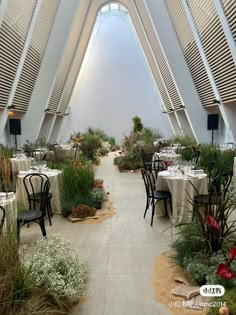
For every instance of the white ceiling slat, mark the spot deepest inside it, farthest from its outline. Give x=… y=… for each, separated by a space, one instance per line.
x=215 y=44
x=230 y=13
x=35 y=53
x=13 y=33
x=190 y=51
x=159 y=56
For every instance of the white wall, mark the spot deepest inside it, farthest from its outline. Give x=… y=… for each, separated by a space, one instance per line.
x=115 y=83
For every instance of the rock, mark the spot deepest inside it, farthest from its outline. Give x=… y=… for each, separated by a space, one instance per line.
x=181 y=280
x=186 y=291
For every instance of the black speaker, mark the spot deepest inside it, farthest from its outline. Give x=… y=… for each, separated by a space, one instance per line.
x=212 y=121
x=15 y=126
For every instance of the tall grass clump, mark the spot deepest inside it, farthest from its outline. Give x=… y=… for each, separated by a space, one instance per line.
x=76 y=183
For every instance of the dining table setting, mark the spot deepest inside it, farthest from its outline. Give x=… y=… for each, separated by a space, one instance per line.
x=8 y=202
x=20 y=162
x=52 y=174
x=168 y=156
x=184 y=182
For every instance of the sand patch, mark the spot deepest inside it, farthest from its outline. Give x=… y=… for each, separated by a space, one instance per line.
x=164 y=281
x=106 y=212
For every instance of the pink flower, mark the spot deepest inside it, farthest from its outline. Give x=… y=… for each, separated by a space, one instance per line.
x=224 y=272
x=212 y=222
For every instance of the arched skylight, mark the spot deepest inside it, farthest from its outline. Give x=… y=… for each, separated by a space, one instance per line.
x=112 y=6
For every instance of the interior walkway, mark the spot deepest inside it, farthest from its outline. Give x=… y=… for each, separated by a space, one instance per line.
x=121 y=251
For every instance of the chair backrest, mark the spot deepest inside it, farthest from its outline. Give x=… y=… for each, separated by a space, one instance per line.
x=37 y=183
x=158 y=166
x=187 y=154
x=195 y=156
x=213 y=170
x=220 y=184
x=148 y=182
x=2 y=210
x=147 y=159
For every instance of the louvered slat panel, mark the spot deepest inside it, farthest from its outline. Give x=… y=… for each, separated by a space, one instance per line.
x=190 y=51
x=67 y=59
x=13 y=33
x=159 y=55
x=229 y=7
x=35 y=53
x=215 y=46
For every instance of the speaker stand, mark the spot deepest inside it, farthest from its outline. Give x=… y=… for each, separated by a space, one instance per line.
x=212 y=137
x=16 y=141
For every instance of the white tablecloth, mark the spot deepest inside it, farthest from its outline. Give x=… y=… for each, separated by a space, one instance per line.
x=8 y=202
x=172 y=157
x=20 y=164
x=182 y=192
x=53 y=176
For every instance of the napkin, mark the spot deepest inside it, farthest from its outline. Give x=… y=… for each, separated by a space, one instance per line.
x=165 y=173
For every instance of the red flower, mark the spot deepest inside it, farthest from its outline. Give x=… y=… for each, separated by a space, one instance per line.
x=224 y=271
x=212 y=222
x=232 y=254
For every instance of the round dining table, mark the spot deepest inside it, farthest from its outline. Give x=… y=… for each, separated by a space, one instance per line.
x=169 y=157
x=21 y=164
x=53 y=175
x=8 y=202
x=183 y=189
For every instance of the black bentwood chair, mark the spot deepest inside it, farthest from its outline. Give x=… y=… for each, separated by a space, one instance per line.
x=158 y=166
x=217 y=191
x=2 y=210
x=35 y=215
x=147 y=159
x=153 y=196
x=35 y=197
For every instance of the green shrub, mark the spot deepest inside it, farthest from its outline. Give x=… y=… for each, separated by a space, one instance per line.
x=185 y=140
x=128 y=163
x=224 y=159
x=188 y=243
x=137 y=124
x=149 y=135
x=97 y=196
x=89 y=146
x=118 y=159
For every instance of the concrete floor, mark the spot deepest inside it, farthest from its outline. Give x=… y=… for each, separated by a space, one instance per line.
x=121 y=251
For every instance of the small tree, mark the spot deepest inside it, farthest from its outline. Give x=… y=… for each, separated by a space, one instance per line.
x=137 y=124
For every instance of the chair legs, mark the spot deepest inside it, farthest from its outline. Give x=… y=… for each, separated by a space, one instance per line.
x=147 y=206
x=42 y=226
x=154 y=206
x=171 y=210
x=153 y=210
x=165 y=205
x=49 y=212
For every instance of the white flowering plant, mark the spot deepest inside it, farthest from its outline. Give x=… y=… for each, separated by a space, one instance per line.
x=55 y=267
